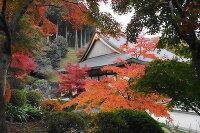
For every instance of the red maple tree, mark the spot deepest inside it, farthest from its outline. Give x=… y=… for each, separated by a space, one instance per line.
x=22 y=61
x=21 y=65
x=73 y=79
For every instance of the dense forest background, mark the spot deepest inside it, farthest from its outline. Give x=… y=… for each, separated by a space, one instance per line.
x=54 y=52
x=76 y=36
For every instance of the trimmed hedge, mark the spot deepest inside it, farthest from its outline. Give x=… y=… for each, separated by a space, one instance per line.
x=18 y=97
x=108 y=122
x=125 y=121
x=61 y=122
x=139 y=122
x=34 y=98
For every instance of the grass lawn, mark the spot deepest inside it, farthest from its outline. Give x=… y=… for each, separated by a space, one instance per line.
x=53 y=76
x=70 y=57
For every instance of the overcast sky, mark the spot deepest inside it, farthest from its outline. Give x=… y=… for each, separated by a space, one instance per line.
x=123 y=19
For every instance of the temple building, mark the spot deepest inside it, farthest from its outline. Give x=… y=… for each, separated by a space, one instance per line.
x=103 y=51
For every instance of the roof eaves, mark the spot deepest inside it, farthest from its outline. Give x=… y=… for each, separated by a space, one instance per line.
x=130 y=60
x=98 y=36
x=94 y=38
x=137 y=61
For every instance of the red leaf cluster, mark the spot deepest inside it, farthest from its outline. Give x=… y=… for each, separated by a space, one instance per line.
x=73 y=78
x=22 y=61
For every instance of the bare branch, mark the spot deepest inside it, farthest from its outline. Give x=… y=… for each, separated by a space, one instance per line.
x=179 y=8
x=48 y=5
x=186 y=2
x=190 y=105
x=194 y=109
x=182 y=35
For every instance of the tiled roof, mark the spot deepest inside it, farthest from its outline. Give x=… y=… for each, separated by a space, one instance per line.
x=160 y=53
x=108 y=59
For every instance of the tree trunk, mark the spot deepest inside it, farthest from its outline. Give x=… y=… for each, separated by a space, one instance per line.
x=195 y=48
x=47 y=39
x=187 y=102
x=57 y=30
x=81 y=40
x=66 y=33
x=4 y=64
x=76 y=40
x=85 y=37
x=8 y=31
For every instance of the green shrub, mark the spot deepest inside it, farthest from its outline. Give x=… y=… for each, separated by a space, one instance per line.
x=61 y=122
x=34 y=98
x=15 y=82
x=125 y=121
x=87 y=121
x=29 y=79
x=139 y=122
x=108 y=122
x=70 y=108
x=18 y=97
x=161 y=124
x=22 y=113
x=62 y=45
x=57 y=50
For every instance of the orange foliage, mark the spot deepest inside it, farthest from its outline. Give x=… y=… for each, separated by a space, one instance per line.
x=114 y=93
x=74 y=11
x=76 y=14
x=144 y=48
x=51 y=105
x=39 y=18
x=8 y=93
